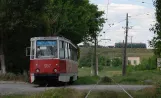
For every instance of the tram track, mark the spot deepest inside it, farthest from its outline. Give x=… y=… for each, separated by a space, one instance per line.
x=130 y=96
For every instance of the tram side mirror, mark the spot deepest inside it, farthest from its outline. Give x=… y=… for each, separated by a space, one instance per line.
x=28 y=51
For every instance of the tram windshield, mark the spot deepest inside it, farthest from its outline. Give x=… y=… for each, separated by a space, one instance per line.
x=46 y=49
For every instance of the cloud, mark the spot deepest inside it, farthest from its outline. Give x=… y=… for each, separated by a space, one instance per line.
x=141 y=19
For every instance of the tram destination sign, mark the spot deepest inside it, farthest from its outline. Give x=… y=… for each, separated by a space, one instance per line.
x=46 y=42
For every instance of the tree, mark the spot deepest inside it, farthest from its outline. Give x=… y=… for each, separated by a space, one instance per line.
x=21 y=19
x=77 y=20
x=156 y=41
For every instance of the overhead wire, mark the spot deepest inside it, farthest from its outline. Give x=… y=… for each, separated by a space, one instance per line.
x=114 y=24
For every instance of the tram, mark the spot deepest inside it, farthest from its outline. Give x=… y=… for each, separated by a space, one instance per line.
x=52 y=59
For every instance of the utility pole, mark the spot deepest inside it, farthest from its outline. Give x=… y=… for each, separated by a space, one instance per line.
x=123 y=45
x=125 y=48
x=95 y=56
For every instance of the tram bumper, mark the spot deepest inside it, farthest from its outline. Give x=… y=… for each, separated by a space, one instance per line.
x=37 y=78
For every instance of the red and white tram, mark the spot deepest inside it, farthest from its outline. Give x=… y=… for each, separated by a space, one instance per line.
x=53 y=59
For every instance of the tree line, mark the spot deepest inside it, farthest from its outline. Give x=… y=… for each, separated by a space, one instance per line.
x=156 y=41
x=77 y=20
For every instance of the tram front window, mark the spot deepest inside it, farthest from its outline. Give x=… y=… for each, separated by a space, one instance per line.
x=46 y=49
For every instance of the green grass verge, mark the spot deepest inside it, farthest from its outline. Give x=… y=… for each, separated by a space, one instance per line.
x=86 y=80
x=13 y=77
x=85 y=76
x=106 y=71
x=150 y=77
x=139 y=77
x=72 y=93
x=14 y=96
x=118 y=52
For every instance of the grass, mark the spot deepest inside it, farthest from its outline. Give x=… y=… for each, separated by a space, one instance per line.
x=87 y=80
x=107 y=71
x=55 y=93
x=85 y=77
x=139 y=77
x=136 y=77
x=117 y=52
x=72 y=93
x=146 y=93
x=14 y=77
x=14 y=96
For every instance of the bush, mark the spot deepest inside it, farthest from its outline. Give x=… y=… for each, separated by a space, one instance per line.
x=147 y=64
x=116 y=62
x=130 y=68
x=102 y=61
x=106 y=80
x=100 y=68
x=108 y=61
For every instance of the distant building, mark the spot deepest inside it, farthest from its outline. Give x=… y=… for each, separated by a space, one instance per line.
x=133 y=61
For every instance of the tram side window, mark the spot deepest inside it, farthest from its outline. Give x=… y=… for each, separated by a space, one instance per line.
x=73 y=53
x=66 y=51
x=32 y=50
x=69 y=51
x=62 y=49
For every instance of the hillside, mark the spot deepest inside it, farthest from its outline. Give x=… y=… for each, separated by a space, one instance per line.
x=118 y=52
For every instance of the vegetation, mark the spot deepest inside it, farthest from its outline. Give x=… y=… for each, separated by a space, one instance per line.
x=106 y=71
x=14 y=77
x=116 y=62
x=87 y=60
x=118 y=52
x=22 y=19
x=156 y=42
x=139 y=77
x=132 y=77
x=72 y=93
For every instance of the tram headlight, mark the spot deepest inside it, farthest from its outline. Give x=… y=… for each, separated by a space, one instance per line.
x=55 y=70
x=37 y=70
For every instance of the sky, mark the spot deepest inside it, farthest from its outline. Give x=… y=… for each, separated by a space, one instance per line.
x=141 y=17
